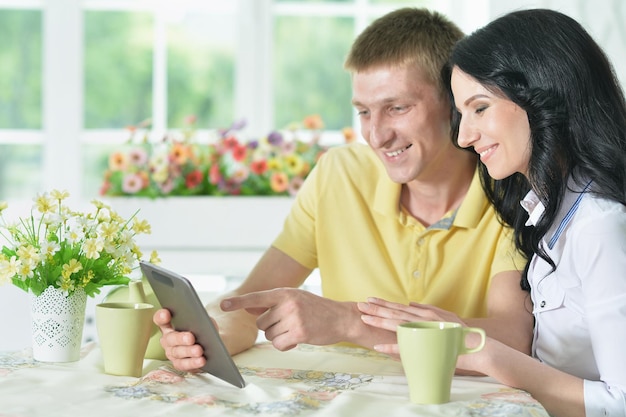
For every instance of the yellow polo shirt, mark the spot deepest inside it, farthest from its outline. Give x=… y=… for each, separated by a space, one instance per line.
x=347 y=222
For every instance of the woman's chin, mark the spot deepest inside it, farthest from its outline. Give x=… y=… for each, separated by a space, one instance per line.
x=499 y=174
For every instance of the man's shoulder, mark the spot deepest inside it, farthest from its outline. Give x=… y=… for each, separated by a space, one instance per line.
x=352 y=168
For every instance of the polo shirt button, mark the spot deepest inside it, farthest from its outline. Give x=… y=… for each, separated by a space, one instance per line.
x=543 y=304
x=416 y=274
x=420 y=242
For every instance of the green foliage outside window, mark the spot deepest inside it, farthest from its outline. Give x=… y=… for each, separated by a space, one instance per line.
x=201 y=70
x=20 y=99
x=118 y=68
x=20 y=69
x=308 y=69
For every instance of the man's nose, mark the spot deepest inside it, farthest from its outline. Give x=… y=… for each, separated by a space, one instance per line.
x=380 y=132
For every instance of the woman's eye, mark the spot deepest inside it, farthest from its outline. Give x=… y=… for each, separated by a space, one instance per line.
x=481 y=109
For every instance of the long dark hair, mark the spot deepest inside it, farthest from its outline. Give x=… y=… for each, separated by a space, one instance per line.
x=545 y=62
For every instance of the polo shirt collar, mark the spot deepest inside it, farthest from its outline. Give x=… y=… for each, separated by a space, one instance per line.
x=387 y=196
x=474 y=204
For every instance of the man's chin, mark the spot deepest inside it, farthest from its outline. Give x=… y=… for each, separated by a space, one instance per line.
x=397 y=177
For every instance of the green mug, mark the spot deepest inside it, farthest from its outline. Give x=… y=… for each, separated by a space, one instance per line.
x=123 y=333
x=428 y=351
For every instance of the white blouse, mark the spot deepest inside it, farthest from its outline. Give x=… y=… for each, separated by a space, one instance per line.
x=580 y=308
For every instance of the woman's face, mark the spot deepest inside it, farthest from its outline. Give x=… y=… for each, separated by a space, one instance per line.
x=493 y=125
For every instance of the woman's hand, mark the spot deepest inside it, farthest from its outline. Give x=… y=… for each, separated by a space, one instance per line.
x=387 y=315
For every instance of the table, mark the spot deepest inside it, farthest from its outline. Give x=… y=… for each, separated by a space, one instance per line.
x=307 y=381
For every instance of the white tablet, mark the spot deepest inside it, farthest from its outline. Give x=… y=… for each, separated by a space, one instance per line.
x=177 y=294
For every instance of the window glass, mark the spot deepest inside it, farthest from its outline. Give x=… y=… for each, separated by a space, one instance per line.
x=399 y=2
x=118 y=68
x=308 y=69
x=20 y=171
x=201 y=69
x=20 y=69
x=95 y=160
x=313 y=1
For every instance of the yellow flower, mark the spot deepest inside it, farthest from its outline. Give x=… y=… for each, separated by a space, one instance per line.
x=161 y=174
x=108 y=231
x=28 y=254
x=92 y=248
x=294 y=163
x=8 y=269
x=44 y=204
x=141 y=226
x=70 y=268
x=154 y=257
x=98 y=204
x=274 y=164
x=88 y=277
x=74 y=235
x=103 y=215
x=49 y=248
x=136 y=251
x=59 y=195
x=25 y=270
x=66 y=284
x=67 y=249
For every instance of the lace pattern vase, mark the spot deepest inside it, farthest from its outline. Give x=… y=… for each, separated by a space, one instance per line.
x=57 y=324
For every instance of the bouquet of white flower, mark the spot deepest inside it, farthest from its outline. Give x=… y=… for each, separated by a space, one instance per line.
x=67 y=249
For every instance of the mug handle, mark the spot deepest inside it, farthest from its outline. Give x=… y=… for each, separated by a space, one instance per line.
x=483 y=337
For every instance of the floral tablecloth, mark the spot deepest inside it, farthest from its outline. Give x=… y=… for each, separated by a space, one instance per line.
x=307 y=381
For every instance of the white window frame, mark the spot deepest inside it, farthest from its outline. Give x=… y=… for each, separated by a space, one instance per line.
x=63 y=133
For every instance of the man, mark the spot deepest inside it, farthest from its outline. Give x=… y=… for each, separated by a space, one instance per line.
x=403 y=219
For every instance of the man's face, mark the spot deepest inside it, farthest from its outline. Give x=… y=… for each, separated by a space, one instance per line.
x=404 y=119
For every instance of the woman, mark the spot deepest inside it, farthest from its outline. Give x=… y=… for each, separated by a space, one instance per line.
x=537 y=99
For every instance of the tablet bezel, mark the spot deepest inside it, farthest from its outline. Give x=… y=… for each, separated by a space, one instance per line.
x=177 y=294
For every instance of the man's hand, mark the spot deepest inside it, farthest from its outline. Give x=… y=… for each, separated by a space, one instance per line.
x=290 y=316
x=180 y=347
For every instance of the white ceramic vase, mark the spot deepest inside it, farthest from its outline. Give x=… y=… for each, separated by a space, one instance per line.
x=57 y=324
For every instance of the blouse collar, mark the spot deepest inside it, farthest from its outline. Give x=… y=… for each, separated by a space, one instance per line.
x=534 y=207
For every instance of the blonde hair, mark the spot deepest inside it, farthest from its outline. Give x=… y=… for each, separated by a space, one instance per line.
x=403 y=37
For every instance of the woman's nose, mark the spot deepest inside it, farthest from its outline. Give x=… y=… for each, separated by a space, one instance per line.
x=467 y=134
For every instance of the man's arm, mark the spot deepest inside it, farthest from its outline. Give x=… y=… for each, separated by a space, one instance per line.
x=274 y=270
x=289 y=317
x=238 y=328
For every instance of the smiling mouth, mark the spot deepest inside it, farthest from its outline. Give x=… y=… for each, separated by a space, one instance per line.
x=398 y=152
x=486 y=151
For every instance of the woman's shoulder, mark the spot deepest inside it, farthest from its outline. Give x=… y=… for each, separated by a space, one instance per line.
x=601 y=215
